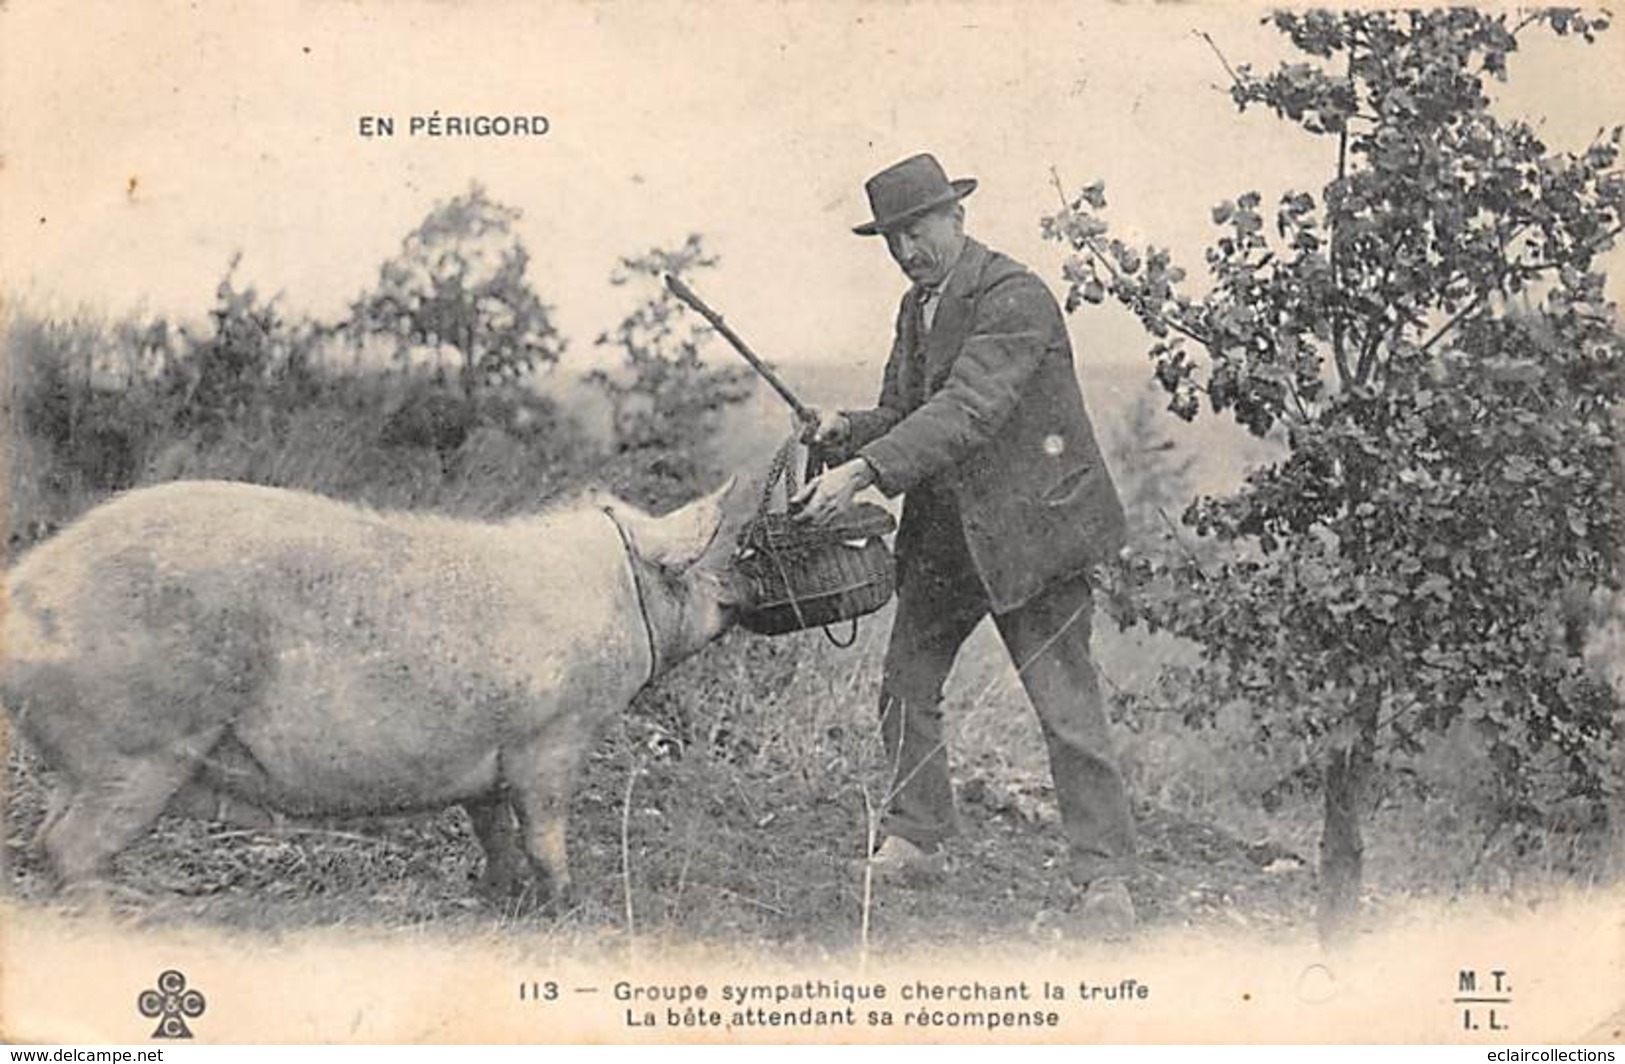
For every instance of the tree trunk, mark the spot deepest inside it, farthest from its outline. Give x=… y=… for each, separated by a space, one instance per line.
x=1342 y=849
x=468 y=377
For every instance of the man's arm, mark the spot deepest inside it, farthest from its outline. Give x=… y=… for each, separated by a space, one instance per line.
x=1007 y=342
x=841 y=432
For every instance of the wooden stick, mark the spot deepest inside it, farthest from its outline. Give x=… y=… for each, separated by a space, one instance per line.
x=686 y=294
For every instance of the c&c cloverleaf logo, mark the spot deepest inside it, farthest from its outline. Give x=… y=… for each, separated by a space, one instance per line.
x=172 y=1004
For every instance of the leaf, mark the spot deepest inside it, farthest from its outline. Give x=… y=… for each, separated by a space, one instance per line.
x=1431 y=495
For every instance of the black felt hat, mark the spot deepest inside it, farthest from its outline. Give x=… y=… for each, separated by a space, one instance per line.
x=904 y=191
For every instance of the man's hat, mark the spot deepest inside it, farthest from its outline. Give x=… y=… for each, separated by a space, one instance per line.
x=904 y=191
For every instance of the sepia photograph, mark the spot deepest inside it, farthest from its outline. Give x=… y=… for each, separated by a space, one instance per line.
x=997 y=521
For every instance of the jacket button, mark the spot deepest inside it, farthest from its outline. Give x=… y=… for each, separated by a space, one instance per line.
x=1054 y=445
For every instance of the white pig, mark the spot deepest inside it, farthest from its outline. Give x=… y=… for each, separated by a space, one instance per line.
x=216 y=647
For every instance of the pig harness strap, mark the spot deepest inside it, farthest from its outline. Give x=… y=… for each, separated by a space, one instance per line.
x=637 y=593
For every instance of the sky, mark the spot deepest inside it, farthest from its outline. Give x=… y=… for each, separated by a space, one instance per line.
x=144 y=144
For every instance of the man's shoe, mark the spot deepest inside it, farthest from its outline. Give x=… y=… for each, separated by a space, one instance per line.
x=901 y=862
x=1104 y=911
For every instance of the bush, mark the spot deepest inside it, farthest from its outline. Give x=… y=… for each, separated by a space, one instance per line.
x=666 y=402
x=1431 y=340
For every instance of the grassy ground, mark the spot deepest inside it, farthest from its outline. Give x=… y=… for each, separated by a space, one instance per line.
x=729 y=803
x=728 y=807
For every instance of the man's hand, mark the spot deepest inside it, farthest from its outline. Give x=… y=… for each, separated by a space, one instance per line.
x=825 y=498
x=826 y=428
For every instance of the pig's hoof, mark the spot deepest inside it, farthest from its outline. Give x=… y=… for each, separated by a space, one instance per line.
x=559 y=903
x=499 y=887
x=511 y=897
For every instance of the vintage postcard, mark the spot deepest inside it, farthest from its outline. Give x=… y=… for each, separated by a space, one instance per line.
x=423 y=622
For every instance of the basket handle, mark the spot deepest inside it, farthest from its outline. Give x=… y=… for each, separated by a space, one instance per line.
x=850 y=639
x=783 y=471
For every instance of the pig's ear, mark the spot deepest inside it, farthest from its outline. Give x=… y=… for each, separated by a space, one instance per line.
x=677 y=540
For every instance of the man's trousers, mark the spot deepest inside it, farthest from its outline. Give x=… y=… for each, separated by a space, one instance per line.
x=940 y=600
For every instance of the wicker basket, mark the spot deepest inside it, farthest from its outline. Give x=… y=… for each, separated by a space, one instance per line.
x=800 y=576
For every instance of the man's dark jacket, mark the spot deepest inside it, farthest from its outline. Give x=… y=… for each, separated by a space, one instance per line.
x=985 y=409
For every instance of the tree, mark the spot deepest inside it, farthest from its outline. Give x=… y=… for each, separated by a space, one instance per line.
x=1430 y=339
x=664 y=398
x=458 y=285
x=254 y=362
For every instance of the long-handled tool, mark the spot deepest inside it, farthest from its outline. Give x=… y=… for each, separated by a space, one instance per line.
x=804 y=414
x=686 y=294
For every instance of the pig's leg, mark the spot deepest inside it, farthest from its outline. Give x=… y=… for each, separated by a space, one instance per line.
x=542 y=812
x=103 y=816
x=507 y=874
x=540 y=779
x=56 y=803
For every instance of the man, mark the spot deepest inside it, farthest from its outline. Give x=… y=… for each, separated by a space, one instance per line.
x=1008 y=505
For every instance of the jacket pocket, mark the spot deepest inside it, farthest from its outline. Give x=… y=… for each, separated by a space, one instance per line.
x=1069 y=488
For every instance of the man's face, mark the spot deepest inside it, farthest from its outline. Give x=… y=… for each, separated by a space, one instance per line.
x=927 y=247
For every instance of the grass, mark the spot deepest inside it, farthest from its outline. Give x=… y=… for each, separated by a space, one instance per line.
x=730 y=803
